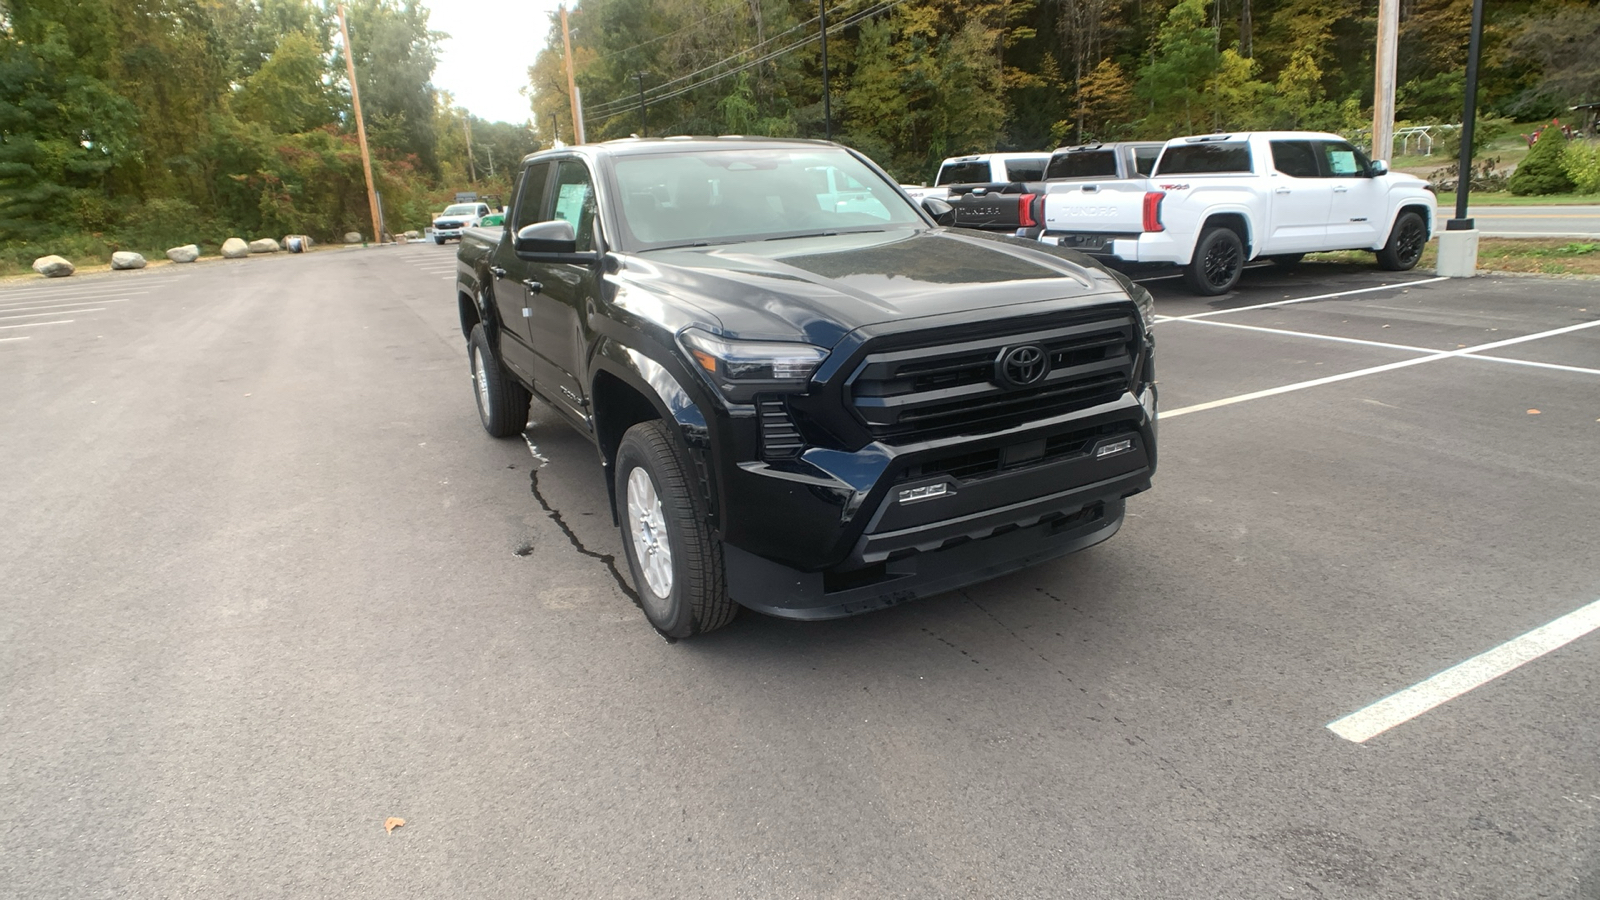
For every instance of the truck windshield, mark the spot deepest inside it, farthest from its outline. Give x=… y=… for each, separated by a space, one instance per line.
x=729 y=196
x=976 y=172
x=461 y=209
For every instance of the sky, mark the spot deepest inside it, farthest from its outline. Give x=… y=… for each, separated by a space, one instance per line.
x=486 y=58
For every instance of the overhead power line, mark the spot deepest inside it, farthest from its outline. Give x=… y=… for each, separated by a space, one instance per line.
x=664 y=90
x=612 y=110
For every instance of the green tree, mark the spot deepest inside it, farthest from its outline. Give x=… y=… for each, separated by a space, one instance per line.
x=1543 y=171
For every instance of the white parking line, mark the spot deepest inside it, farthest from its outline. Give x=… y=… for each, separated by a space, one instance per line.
x=60 y=306
x=1406 y=705
x=37 y=324
x=3 y=340
x=1288 y=302
x=70 y=298
x=1374 y=370
x=43 y=314
x=1404 y=347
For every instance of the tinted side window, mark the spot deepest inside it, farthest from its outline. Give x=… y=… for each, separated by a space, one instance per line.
x=530 y=195
x=964 y=173
x=1083 y=164
x=1144 y=159
x=1340 y=160
x=1294 y=158
x=574 y=196
x=1201 y=159
x=1026 y=169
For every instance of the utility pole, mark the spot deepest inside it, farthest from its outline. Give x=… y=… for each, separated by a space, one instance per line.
x=1383 y=86
x=490 y=150
x=361 y=128
x=827 y=101
x=644 y=115
x=472 y=166
x=572 y=84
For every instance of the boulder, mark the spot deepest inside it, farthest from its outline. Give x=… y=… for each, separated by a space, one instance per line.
x=264 y=245
x=53 y=267
x=354 y=237
x=413 y=235
x=126 y=259
x=185 y=254
x=235 y=248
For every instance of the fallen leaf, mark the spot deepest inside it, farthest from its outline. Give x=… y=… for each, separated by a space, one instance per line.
x=1533 y=412
x=391 y=823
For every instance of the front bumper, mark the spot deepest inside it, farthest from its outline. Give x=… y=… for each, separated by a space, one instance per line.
x=447 y=232
x=972 y=526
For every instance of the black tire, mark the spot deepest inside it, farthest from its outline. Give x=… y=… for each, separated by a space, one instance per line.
x=439 y=241
x=696 y=596
x=1405 y=245
x=1287 y=259
x=1218 y=262
x=502 y=401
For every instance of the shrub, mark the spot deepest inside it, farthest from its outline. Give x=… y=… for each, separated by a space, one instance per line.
x=1541 y=171
x=1582 y=164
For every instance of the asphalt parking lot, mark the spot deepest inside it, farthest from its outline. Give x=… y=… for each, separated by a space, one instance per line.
x=266 y=583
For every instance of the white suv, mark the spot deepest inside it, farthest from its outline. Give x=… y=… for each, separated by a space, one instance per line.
x=1217 y=201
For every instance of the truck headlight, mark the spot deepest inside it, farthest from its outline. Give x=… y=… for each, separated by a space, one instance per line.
x=742 y=369
x=1146 y=304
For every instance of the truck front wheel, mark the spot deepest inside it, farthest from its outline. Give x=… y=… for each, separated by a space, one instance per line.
x=1218 y=261
x=675 y=562
x=1405 y=245
x=502 y=402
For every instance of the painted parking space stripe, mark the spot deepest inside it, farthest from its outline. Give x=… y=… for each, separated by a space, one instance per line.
x=44 y=314
x=1293 y=300
x=69 y=298
x=5 y=339
x=60 y=306
x=1374 y=370
x=1398 y=708
x=1387 y=346
x=37 y=324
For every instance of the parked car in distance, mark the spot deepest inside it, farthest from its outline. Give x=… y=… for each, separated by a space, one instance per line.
x=1018 y=208
x=806 y=404
x=457 y=216
x=981 y=168
x=1217 y=201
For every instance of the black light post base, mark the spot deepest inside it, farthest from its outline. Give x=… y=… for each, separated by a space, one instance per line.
x=1459 y=225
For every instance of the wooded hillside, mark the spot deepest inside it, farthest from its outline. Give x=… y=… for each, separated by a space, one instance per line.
x=914 y=81
x=150 y=123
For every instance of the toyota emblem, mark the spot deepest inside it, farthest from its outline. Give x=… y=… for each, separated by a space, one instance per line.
x=1022 y=366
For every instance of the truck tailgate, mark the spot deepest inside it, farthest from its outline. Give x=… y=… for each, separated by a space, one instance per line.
x=1115 y=207
x=992 y=207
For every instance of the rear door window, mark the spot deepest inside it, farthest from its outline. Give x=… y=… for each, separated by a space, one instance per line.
x=1205 y=159
x=1083 y=164
x=975 y=172
x=1026 y=169
x=1295 y=158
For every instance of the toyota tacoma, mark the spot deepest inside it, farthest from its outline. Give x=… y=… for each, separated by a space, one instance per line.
x=806 y=408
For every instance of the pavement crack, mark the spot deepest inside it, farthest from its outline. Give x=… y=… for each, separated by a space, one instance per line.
x=609 y=559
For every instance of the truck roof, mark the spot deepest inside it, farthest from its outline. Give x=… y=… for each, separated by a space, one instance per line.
x=686 y=143
x=1245 y=135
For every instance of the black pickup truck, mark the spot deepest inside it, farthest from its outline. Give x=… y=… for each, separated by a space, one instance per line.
x=808 y=408
x=1017 y=207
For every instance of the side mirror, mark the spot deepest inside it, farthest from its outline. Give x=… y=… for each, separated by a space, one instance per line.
x=555 y=236
x=942 y=212
x=1378 y=167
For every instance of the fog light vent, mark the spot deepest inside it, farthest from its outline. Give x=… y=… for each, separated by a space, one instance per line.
x=780 y=439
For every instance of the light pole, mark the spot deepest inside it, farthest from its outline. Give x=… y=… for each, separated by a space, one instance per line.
x=1458 y=244
x=827 y=102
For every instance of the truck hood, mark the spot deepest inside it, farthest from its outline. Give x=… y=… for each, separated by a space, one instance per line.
x=818 y=289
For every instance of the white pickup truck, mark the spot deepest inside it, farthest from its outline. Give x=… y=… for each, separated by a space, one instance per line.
x=981 y=168
x=1218 y=201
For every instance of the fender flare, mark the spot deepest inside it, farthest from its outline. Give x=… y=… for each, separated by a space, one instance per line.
x=673 y=404
x=1430 y=215
x=1252 y=241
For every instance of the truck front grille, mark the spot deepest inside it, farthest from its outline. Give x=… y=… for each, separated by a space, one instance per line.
x=925 y=392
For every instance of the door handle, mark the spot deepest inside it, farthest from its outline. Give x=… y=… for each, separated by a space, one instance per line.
x=1091 y=189
x=1341 y=189
x=1281 y=191
x=497 y=272
x=533 y=287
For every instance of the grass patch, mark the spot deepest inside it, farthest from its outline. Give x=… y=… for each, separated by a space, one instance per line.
x=1542 y=256
x=1447 y=200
